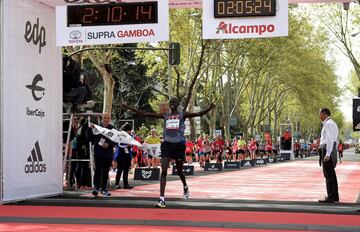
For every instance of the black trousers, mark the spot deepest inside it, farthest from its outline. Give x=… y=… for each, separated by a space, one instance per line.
x=83 y=174
x=331 y=179
x=102 y=167
x=123 y=166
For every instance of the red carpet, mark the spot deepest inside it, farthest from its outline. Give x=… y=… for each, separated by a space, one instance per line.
x=179 y=215
x=106 y=228
x=291 y=181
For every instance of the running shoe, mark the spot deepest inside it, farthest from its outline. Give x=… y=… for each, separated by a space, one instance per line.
x=186 y=192
x=106 y=193
x=160 y=204
x=95 y=192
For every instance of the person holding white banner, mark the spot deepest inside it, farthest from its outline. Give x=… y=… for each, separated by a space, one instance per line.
x=173 y=147
x=103 y=154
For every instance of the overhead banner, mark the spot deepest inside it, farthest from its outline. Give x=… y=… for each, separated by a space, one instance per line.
x=135 y=22
x=172 y=3
x=356 y=114
x=238 y=19
x=32 y=102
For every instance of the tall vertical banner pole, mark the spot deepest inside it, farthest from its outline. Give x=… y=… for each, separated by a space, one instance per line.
x=1 y=97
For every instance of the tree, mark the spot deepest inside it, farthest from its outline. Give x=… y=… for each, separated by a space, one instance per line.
x=337 y=21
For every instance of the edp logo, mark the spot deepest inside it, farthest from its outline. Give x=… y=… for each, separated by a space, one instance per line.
x=35 y=34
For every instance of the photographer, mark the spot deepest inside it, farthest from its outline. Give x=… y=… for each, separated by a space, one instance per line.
x=74 y=88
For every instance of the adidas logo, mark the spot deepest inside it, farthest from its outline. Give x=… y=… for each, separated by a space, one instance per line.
x=247 y=164
x=36 y=161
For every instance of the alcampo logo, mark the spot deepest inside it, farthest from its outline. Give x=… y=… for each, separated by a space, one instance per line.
x=35 y=88
x=35 y=160
x=244 y=29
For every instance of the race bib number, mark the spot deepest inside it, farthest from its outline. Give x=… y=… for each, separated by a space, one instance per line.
x=173 y=124
x=101 y=142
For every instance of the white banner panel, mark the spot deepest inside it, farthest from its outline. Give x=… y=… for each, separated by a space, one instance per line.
x=32 y=113
x=95 y=25
x=233 y=27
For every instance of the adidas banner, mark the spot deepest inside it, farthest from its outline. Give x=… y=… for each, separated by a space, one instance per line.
x=356 y=114
x=31 y=113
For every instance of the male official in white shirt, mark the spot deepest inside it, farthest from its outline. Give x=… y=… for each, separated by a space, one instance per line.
x=328 y=155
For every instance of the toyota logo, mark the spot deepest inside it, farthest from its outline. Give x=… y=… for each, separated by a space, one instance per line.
x=75 y=35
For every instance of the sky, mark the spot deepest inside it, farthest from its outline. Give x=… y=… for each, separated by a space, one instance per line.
x=343 y=70
x=343 y=66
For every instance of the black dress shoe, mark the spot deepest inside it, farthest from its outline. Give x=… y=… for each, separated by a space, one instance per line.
x=328 y=200
x=128 y=187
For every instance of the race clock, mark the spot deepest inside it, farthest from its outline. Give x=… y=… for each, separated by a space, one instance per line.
x=244 y=8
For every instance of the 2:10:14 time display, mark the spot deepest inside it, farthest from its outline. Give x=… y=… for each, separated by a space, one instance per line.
x=112 y=14
x=244 y=8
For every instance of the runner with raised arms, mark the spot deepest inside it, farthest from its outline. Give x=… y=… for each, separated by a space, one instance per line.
x=173 y=147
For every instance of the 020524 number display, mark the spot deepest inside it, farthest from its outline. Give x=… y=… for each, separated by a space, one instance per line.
x=112 y=14
x=244 y=8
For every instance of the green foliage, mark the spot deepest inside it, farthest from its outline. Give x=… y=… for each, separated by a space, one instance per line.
x=258 y=81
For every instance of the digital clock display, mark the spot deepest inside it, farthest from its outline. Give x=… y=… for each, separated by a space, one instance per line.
x=112 y=14
x=244 y=8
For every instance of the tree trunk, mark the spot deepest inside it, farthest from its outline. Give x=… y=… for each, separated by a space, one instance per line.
x=227 y=110
x=213 y=122
x=192 y=120
x=109 y=84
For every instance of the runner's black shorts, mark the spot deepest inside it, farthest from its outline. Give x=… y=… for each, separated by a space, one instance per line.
x=207 y=153
x=173 y=150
